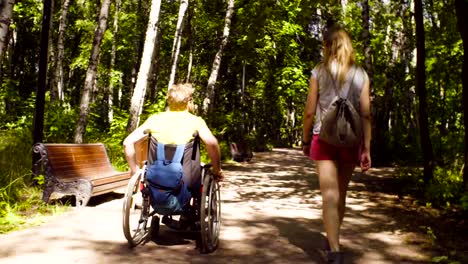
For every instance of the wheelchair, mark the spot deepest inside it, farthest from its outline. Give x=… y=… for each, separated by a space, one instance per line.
x=141 y=218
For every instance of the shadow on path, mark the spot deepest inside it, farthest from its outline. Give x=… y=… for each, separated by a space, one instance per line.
x=271 y=213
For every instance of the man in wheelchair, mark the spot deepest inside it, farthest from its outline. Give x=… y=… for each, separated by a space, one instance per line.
x=173 y=149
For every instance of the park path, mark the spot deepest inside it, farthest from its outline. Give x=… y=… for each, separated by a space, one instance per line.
x=270 y=212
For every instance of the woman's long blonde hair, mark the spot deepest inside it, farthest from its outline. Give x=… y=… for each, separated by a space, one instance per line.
x=338 y=48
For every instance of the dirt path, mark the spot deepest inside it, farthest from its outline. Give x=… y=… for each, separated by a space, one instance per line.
x=271 y=214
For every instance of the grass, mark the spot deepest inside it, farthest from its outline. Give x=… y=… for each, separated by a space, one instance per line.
x=28 y=211
x=20 y=194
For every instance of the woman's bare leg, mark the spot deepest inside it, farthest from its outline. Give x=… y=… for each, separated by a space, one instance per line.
x=329 y=187
x=344 y=176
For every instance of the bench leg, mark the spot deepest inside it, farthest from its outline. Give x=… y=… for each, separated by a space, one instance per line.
x=48 y=190
x=81 y=189
x=84 y=194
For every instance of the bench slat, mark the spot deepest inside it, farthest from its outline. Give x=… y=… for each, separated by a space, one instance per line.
x=79 y=157
x=89 y=173
x=71 y=164
x=103 y=181
x=109 y=187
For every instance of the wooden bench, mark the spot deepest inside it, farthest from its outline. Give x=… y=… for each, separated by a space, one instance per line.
x=80 y=170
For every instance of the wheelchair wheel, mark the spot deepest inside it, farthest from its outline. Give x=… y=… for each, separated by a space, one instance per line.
x=210 y=214
x=135 y=212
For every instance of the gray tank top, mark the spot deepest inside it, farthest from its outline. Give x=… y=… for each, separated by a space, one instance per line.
x=355 y=79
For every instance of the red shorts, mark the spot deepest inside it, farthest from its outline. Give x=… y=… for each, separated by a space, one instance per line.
x=321 y=150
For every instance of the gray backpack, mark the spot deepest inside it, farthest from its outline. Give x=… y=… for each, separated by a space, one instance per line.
x=341 y=125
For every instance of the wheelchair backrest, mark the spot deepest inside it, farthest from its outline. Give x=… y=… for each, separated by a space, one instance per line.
x=146 y=150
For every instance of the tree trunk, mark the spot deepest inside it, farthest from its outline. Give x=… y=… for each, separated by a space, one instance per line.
x=52 y=49
x=461 y=7
x=57 y=87
x=139 y=43
x=366 y=42
x=154 y=76
x=91 y=72
x=177 y=40
x=191 y=42
x=110 y=90
x=207 y=104
x=42 y=78
x=6 y=11
x=426 y=144
x=142 y=80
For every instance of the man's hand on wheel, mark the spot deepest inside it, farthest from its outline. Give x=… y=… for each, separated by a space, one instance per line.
x=219 y=175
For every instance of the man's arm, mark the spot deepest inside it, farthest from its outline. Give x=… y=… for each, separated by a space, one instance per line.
x=212 y=148
x=129 y=148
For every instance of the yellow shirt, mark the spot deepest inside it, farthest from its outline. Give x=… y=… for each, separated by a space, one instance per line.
x=174 y=127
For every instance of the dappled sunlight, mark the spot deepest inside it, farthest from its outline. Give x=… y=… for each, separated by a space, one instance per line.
x=271 y=213
x=288 y=188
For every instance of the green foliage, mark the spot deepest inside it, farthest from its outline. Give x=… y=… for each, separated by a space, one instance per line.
x=464 y=201
x=114 y=140
x=20 y=201
x=446 y=190
x=57 y=126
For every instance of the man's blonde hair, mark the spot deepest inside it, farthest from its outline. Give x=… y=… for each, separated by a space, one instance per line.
x=179 y=95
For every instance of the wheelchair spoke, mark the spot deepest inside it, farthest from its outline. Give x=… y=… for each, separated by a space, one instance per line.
x=135 y=213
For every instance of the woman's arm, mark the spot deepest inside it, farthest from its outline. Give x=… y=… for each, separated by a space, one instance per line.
x=365 y=112
x=309 y=114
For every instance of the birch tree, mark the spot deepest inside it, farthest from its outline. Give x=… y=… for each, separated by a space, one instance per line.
x=191 y=42
x=91 y=72
x=138 y=96
x=57 y=87
x=110 y=90
x=177 y=40
x=6 y=11
x=207 y=104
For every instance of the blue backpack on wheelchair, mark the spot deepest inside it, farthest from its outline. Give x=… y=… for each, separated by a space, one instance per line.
x=168 y=192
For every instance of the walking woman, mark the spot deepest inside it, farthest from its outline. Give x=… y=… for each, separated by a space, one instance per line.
x=336 y=75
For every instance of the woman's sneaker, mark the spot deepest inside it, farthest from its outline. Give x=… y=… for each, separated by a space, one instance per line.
x=335 y=257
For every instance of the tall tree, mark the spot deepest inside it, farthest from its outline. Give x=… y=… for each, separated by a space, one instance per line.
x=142 y=80
x=112 y=79
x=177 y=40
x=421 y=91
x=57 y=87
x=191 y=11
x=91 y=72
x=366 y=41
x=41 y=82
x=155 y=66
x=6 y=10
x=461 y=7
x=207 y=104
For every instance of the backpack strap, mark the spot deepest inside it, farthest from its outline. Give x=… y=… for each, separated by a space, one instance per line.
x=334 y=82
x=351 y=83
x=161 y=155
x=179 y=153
